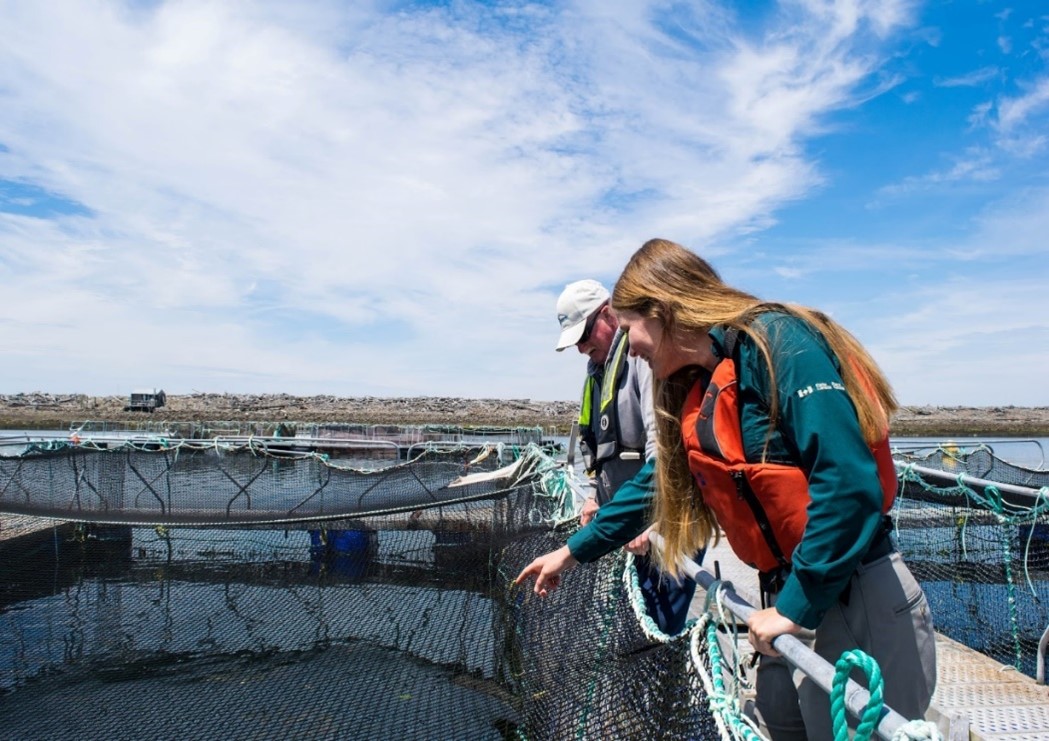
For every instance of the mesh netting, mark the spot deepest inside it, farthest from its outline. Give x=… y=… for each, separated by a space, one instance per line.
x=585 y=660
x=974 y=530
x=238 y=633
x=250 y=590
x=395 y=619
x=977 y=462
x=219 y=481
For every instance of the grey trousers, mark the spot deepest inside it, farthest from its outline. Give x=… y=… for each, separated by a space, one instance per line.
x=887 y=617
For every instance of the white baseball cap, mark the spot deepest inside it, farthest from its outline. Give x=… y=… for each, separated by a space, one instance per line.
x=574 y=306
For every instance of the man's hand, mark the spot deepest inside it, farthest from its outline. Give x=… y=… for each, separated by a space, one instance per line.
x=547 y=570
x=767 y=624
x=586 y=514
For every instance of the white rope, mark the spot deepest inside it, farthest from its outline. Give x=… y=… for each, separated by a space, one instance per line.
x=917 y=730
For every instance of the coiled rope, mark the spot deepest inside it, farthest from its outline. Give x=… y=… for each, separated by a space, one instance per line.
x=914 y=730
x=875 y=703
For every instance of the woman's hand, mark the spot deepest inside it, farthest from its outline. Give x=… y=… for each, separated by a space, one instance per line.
x=767 y=624
x=639 y=545
x=547 y=570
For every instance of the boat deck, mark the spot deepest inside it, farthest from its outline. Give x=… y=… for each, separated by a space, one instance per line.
x=976 y=697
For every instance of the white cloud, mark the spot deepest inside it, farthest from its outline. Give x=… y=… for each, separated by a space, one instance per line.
x=1016 y=123
x=1013 y=112
x=334 y=198
x=974 y=165
x=970 y=79
x=959 y=319
x=965 y=341
x=1017 y=131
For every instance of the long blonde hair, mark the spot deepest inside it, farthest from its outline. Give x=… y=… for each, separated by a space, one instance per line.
x=673 y=285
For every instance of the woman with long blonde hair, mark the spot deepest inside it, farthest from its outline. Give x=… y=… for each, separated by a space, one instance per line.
x=773 y=429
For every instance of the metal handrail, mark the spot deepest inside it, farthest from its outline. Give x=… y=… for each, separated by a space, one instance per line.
x=427 y=445
x=1039 y=672
x=818 y=669
x=1017 y=494
x=991 y=442
x=231 y=440
x=573 y=437
x=934 y=444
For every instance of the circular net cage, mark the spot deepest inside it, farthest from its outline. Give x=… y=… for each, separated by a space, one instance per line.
x=176 y=590
x=974 y=529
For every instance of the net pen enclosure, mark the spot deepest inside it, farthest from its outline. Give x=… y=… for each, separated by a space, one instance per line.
x=244 y=587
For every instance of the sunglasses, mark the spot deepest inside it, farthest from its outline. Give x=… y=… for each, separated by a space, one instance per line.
x=590 y=325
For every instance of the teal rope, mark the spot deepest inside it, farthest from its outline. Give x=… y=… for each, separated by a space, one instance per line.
x=637 y=602
x=992 y=501
x=1005 y=514
x=871 y=714
x=1043 y=498
x=719 y=700
x=1014 y=618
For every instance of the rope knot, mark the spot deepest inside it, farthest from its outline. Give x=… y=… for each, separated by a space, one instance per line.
x=917 y=730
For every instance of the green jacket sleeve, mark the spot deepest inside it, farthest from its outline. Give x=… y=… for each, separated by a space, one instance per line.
x=820 y=428
x=619 y=520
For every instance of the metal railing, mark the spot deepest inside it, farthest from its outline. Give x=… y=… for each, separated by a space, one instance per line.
x=800 y=656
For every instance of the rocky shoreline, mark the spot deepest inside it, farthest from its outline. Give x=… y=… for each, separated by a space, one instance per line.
x=59 y=411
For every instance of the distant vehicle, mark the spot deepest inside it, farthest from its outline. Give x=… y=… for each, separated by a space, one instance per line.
x=146 y=400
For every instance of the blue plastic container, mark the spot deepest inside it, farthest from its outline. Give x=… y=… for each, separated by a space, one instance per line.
x=343 y=552
x=349 y=541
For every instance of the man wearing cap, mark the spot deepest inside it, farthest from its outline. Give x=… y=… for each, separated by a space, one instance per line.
x=618 y=430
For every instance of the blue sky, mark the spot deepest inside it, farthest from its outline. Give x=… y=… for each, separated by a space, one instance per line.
x=385 y=198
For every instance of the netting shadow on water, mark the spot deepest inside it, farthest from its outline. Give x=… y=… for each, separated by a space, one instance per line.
x=403 y=624
x=980 y=550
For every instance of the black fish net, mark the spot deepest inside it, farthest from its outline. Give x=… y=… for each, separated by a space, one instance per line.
x=181 y=590
x=586 y=662
x=255 y=480
x=974 y=530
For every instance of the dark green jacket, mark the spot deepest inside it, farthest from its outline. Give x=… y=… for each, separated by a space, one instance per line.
x=619 y=520
x=817 y=430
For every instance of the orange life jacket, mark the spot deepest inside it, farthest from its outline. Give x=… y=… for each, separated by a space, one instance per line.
x=760 y=506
